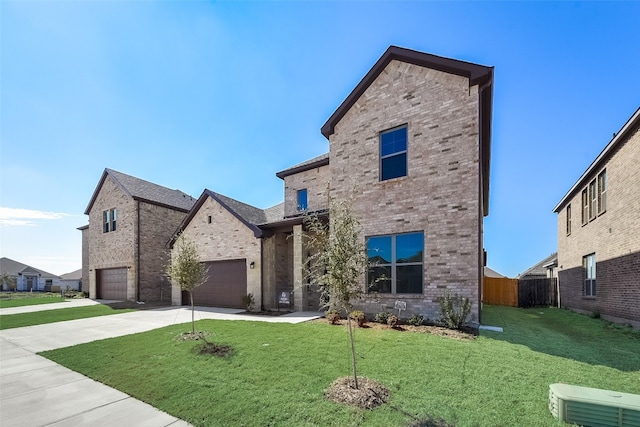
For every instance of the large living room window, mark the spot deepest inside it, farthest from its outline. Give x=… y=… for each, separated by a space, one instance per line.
x=589 y=264
x=393 y=153
x=109 y=218
x=395 y=263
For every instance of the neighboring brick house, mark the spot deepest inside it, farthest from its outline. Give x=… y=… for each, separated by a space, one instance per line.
x=599 y=232
x=124 y=247
x=411 y=146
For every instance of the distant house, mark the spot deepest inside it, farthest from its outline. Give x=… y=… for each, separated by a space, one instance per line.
x=599 y=232
x=545 y=269
x=412 y=143
x=124 y=250
x=489 y=272
x=71 y=281
x=26 y=278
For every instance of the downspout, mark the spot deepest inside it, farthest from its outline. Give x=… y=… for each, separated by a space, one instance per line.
x=137 y=255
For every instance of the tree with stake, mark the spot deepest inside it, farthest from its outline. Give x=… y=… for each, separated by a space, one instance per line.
x=338 y=261
x=186 y=270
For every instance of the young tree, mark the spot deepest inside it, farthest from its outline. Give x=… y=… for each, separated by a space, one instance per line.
x=338 y=260
x=186 y=270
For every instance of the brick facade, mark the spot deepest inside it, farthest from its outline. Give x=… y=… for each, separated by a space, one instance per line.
x=224 y=237
x=315 y=181
x=440 y=195
x=613 y=236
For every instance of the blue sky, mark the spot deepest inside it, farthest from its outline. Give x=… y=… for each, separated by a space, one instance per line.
x=222 y=95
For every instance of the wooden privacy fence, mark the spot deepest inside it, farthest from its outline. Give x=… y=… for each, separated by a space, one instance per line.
x=500 y=291
x=520 y=293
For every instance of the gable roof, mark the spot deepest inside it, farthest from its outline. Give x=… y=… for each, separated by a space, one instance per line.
x=15 y=268
x=490 y=272
x=144 y=191
x=477 y=74
x=617 y=140
x=249 y=215
x=74 y=275
x=540 y=269
x=316 y=162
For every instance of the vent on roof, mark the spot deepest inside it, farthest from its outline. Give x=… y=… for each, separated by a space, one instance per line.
x=594 y=407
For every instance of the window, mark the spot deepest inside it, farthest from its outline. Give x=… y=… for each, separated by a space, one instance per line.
x=109 y=218
x=585 y=207
x=593 y=199
x=302 y=200
x=209 y=219
x=396 y=263
x=589 y=264
x=568 y=219
x=393 y=153
x=602 y=192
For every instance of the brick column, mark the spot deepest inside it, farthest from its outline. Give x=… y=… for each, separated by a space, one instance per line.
x=299 y=292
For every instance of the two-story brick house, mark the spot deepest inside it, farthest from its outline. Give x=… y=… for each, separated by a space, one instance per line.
x=124 y=247
x=411 y=143
x=599 y=232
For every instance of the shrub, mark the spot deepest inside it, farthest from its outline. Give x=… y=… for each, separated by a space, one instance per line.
x=455 y=310
x=392 y=320
x=382 y=317
x=416 y=320
x=358 y=316
x=332 y=316
x=248 y=301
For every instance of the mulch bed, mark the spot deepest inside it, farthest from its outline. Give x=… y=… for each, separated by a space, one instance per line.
x=369 y=394
x=466 y=334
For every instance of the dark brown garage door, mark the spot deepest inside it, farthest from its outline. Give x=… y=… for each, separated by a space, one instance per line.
x=226 y=286
x=112 y=284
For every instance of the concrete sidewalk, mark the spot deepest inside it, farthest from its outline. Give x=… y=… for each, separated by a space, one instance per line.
x=35 y=391
x=70 y=303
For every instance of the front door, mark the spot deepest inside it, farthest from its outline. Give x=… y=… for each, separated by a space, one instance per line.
x=29 y=283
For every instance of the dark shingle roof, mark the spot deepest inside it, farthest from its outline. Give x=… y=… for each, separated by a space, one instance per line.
x=540 y=268
x=12 y=268
x=274 y=213
x=146 y=191
x=74 y=275
x=316 y=162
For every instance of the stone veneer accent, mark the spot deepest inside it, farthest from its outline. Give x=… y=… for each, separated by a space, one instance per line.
x=441 y=196
x=225 y=238
x=614 y=237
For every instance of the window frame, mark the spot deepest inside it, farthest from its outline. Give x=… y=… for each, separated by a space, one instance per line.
x=602 y=192
x=395 y=154
x=568 y=221
x=393 y=265
x=585 y=206
x=109 y=220
x=589 y=265
x=299 y=206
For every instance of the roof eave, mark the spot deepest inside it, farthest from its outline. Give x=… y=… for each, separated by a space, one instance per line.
x=617 y=139
x=294 y=170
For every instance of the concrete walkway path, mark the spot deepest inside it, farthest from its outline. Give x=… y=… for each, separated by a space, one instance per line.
x=35 y=391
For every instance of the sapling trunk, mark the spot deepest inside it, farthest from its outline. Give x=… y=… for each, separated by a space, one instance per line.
x=353 y=352
x=193 y=323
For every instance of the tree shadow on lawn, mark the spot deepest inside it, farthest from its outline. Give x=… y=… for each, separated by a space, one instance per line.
x=563 y=333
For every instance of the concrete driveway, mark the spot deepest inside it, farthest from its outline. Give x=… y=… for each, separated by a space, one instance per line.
x=35 y=391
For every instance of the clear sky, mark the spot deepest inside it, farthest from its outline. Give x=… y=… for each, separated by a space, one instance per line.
x=222 y=95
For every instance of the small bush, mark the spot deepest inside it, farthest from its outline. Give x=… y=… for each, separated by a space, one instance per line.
x=416 y=320
x=382 y=317
x=595 y=314
x=358 y=316
x=248 y=301
x=392 y=320
x=455 y=310
x=332 y=316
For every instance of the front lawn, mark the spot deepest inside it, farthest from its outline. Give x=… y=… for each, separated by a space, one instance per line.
x=279 y=372
x=8 y=321
x=19 y=299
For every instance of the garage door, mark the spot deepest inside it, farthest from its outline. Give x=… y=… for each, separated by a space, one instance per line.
x=226 y=286
x=112 y=284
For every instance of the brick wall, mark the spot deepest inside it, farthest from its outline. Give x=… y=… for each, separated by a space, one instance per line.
x=441 y=194
x=157 y=226
x=614 y=237
x=315 y=181
x=114 y=249
x=225 y=238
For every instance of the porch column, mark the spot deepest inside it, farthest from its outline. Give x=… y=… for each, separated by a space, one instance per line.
x=299 y=291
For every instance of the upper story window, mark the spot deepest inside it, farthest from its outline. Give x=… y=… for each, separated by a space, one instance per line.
x=594 y=198
x=568 y=219
x=589 y=264
x=393 y=153
x=585 y=207
x=109 y=218
x=602 y=192
x=302 y=199
x=396 y=263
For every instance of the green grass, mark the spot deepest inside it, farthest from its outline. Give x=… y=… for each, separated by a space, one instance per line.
x=8 y=321
x=10 y=299
x=279 y=372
